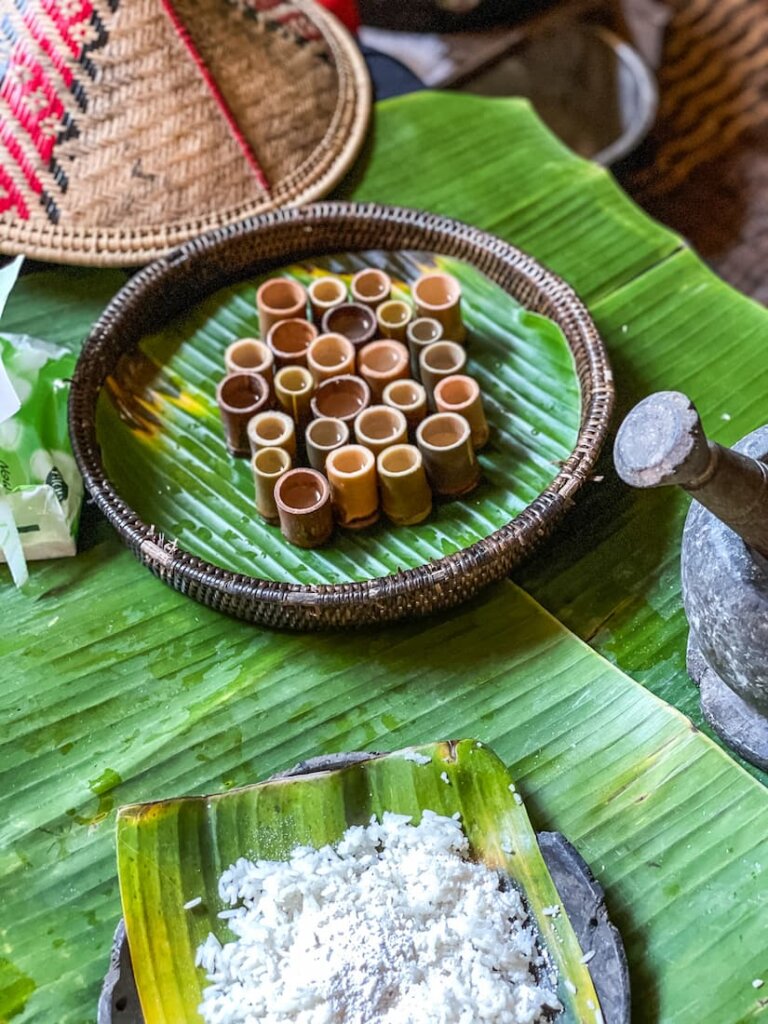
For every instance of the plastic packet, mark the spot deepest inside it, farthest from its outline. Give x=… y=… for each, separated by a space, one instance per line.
x=41 y=490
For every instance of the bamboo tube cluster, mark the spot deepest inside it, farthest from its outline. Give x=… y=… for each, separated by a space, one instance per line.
x=353 y=403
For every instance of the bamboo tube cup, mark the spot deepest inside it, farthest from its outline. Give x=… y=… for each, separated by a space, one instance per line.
x=419 y=333
x=289 y=341
x=405 y=494
x=353 y=320
x=439 y=360
x=272 y=430
x=352 y=475
x=330 y=355
x=239 y=397
x=381 y=362
x=438 y=296
x=303 y=500
x=294 y=387
x=445 y=442
x=279 y=298
x=268 y=465
x=250 y=355
x=326 y=293
x=461 y=394
x=370 y=287
x=393 y=318
x=341 y=398
x=410 y=397
x=379 y=426
x=323 y=436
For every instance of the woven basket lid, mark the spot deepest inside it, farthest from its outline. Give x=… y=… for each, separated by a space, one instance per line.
x=129 y=126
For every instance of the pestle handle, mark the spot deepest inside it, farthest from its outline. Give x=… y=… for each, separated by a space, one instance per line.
x=661 y=441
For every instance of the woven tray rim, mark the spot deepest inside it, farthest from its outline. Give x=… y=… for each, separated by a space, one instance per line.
x=280 y=238
x=123 y=247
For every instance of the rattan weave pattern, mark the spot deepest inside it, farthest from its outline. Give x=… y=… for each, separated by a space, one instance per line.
x=244 y=250
x=183 y=123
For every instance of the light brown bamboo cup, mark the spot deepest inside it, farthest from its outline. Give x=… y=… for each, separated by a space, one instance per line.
x=303 y=500
x=371 y=287
x=272 y=430
x=250 y=355
x=294 y=388
x=461 y=394
x=380 y=362
x=438 y=295
x=439 y=360
x=341 y=398
x=405 y=494
x=323 y=436
x=268 y=465
x=393 y=318
x=445 y=441
x=410 y=397
x=326 y=293
x=279 y=298
x=379 y=426
x=419 y=333
x=289 y=341
x=239 y=397
x=330 y=355
x=351 y=473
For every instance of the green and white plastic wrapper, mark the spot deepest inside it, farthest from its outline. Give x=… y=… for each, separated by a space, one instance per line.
x=41 y=490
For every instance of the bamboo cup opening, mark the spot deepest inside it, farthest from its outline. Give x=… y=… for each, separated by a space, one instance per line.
x=405 y=394
x=271 y=462
x=331 y=350
x=371 y=285
x=327 y=433
x=383 y=357
x=379 y=422
x=271 y=428
x=351 y=461
x=399 y=460
x=341 y=397
x=443 y=356
x=394 y=313
x=301 y=490
x=443 y=431
x=438 y=291
x=294 y=380
x=327 y=289
x=242 y=391
x=290 y=339
x=281 y=294
x=354 y=321
x=457 y=391
x=425 y=330
x=248 y=354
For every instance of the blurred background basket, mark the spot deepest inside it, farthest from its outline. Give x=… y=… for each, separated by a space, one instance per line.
x=175 y=282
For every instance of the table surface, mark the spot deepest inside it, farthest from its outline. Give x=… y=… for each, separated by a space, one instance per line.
x=119 y=689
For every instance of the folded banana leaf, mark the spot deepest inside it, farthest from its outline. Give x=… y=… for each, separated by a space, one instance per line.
x=173 y=852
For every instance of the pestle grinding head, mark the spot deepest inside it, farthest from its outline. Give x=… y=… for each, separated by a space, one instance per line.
x=661 y=442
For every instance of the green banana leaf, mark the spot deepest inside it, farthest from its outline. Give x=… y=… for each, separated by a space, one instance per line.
x=172 y=852
x=163 y=443
x=116 y=689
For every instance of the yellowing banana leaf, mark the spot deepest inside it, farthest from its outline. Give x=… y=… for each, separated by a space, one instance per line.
x=173 y=852
x=163 y=442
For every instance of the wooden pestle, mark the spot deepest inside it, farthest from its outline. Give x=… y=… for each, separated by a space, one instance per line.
x=661 y=441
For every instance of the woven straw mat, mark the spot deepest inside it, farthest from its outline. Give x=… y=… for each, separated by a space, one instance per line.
x=129 y=126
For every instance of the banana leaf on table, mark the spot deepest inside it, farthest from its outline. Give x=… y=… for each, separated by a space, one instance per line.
x=118 y=690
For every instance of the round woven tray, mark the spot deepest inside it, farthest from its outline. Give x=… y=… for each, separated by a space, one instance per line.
x=130 y=126
x=173 y=283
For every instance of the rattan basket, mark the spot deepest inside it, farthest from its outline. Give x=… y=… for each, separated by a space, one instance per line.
x=221 y=257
